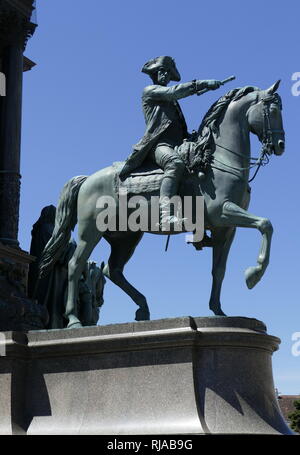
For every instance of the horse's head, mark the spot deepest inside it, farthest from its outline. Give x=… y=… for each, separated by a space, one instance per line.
x=265 y=120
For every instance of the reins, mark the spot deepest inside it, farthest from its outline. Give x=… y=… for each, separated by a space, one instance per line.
x=267 y=143
x=263 y=160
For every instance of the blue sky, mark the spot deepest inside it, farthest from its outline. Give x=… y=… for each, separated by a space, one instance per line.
x=82 y=111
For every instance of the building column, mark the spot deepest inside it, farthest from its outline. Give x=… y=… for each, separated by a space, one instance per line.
x=11 y=143
x=17 y=312
x=15 y=29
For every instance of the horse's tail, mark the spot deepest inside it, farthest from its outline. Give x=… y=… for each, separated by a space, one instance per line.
x=65 y=222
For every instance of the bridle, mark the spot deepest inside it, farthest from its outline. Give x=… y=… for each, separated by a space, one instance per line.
x=266 y=138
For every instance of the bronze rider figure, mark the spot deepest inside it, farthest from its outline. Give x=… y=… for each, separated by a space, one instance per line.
x=165 y=129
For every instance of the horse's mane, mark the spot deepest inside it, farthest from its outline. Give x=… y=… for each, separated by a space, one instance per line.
x=200 y=156
x=215 y=114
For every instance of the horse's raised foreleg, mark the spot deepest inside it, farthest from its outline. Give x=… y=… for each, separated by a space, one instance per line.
x=121 y=251
x=87 y=240
x=222 y=239
x=233 y=215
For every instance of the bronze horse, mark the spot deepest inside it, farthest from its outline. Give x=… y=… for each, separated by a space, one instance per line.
x=225 y=190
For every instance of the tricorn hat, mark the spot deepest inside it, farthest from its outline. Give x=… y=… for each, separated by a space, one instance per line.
x=167 y=62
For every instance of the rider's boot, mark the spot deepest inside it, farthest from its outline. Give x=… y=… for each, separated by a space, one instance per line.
x=168 y=221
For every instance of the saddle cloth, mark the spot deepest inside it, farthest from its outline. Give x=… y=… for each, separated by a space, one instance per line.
x=144 y=179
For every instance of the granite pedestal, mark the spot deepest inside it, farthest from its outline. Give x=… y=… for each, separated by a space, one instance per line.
x=173 y=376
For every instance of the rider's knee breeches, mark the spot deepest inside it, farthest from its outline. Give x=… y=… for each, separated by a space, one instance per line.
x=169 y=161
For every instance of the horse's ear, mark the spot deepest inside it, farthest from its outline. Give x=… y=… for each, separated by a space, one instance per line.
x=273 y=87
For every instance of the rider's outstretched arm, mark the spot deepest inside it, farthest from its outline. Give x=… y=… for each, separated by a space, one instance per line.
x=175 y=92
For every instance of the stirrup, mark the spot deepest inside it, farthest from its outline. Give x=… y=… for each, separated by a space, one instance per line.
x=171 y=223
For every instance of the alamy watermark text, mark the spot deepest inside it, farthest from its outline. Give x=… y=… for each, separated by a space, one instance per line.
x=296 y=84
x=296 y=345
x=139 y=214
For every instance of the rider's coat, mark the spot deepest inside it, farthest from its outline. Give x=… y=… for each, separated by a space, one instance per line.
x=161 y=111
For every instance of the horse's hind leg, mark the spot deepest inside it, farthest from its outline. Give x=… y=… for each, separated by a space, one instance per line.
x=88 y=237
x=121 y=251
x=222 y=239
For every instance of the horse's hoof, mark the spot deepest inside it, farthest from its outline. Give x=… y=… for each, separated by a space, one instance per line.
x=215 y=307
x=219 y=312
x=252 y=276
x=142 y=315
x=74 y=325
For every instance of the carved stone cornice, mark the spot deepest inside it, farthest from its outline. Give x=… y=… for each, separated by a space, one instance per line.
x=23 y=6
x=28 y=64
x=15 y=26
x=15 y=254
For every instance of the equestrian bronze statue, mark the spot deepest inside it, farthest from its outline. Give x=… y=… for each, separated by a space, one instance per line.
x=217 y=164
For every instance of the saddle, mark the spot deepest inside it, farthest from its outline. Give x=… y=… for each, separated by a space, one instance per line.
x=147 y=178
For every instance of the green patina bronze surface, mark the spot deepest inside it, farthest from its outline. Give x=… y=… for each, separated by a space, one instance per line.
x=224 y=134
